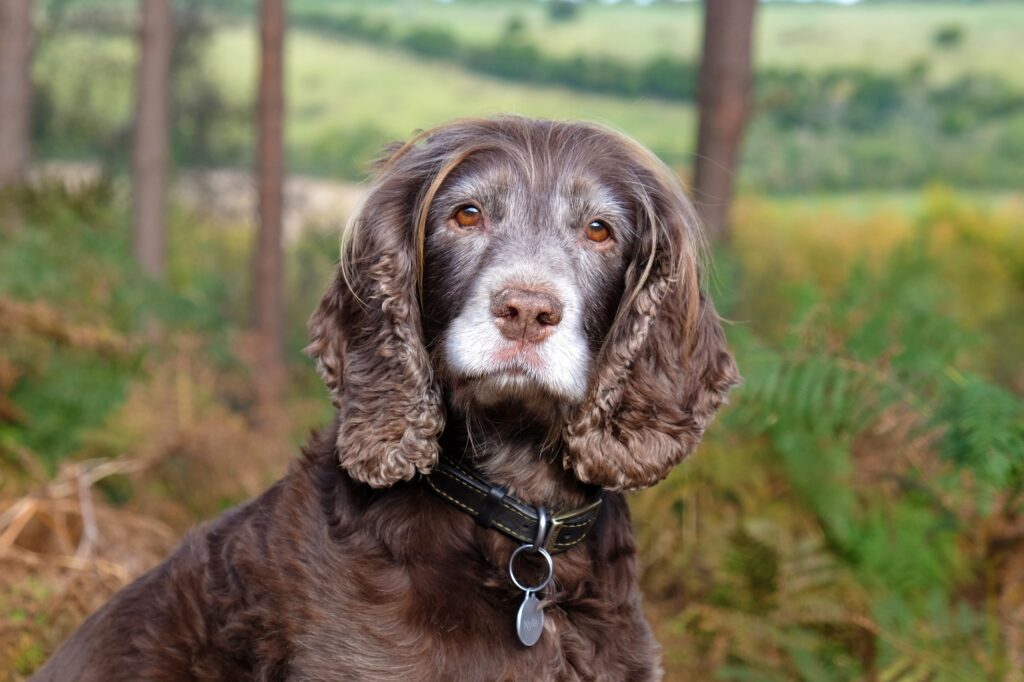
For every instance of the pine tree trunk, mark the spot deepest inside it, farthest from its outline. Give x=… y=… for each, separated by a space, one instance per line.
x=724 y=91
x=15 y=89
x=268 y=275
x=152 y=133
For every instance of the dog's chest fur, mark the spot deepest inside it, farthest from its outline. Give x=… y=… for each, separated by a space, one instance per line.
x=463 y=634
x=433 y=600
x=324 y=579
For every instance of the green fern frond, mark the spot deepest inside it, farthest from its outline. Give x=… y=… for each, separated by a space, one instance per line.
x=984 y=431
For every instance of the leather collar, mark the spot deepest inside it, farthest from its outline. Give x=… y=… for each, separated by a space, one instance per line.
x=492 y=507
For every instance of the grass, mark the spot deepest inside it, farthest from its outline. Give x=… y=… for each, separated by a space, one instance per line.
x=336 y=105
x=346 y=99
x=334 y=88
x=865 y=205
x=92 y=78
x=885 y=36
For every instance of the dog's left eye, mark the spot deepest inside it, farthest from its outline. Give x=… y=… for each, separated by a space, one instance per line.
x=467 y=216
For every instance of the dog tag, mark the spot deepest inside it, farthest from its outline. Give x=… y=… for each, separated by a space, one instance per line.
x=530 y=620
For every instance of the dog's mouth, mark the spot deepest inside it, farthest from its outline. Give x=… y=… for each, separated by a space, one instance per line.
x=520 y=362
x=504 y=375
x=517 y=357
x=507 y=386
x=517 y=379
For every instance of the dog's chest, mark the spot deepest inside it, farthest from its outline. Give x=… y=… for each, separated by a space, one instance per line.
x=460 y=634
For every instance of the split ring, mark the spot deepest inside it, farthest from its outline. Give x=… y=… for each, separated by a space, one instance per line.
x=543 y=583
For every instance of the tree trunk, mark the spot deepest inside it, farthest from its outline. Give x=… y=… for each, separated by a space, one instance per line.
x=268 y=276
x=724 y=99
x=15 y=89
x=152 y=133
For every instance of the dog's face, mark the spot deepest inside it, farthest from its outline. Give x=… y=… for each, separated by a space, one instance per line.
x=523 y=274
x=526 y=264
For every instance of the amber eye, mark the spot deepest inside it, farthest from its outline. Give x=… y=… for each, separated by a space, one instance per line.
x=597 y=231
x=468 y=216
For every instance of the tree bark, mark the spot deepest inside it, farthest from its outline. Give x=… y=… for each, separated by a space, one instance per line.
x=724 y=90
x=152 y=133
x=15 y=90
x=268 y=275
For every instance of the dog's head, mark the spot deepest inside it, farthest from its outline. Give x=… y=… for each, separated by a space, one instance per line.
x=548 y=266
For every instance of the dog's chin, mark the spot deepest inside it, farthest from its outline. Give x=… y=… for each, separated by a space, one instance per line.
x=512 y=387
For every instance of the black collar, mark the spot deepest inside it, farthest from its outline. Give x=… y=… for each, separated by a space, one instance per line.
x=492 y=507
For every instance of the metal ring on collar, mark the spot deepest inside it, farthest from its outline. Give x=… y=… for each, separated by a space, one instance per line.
x=543 y=583
x=543 y=528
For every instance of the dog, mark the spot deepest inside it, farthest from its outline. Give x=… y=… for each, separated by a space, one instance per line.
x=515 y=334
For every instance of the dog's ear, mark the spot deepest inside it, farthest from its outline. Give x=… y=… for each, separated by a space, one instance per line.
x=367 y=340
x=664 y=368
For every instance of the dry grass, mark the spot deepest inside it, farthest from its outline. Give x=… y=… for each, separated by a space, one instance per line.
x=63 y=552
x=174 y=453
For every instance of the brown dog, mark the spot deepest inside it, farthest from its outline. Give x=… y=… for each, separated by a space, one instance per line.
x=516 y=325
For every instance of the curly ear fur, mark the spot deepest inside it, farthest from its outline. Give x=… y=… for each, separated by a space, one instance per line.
x=366 y=333
x=664 y=369
x=662 y=373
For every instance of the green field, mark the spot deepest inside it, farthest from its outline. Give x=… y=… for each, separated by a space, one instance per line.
x=885 y=36
x=347 y=97
x=334 y=87
x=335 y=95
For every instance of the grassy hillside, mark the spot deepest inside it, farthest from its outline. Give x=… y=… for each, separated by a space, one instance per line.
x=883 y=123
x=885 y=36
x=338 y=113
x=335 y=87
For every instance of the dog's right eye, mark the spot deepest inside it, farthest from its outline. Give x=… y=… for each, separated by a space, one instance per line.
x=598 y=231
x=468 y=216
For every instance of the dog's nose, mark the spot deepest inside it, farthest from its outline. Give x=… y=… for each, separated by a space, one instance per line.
x=524 y=314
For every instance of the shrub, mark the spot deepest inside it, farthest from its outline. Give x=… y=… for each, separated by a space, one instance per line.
x=563 y=10
x=431 y=42
x=828 y=529
x=949 y=36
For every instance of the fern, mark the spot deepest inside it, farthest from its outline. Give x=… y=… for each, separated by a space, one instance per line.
x=984 y=433
x=870 y=366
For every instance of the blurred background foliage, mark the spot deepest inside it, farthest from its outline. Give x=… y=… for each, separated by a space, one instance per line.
x=857 y=513
x=847 y=97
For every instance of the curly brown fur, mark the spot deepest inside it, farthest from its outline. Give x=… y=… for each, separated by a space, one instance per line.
x=349 y=568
